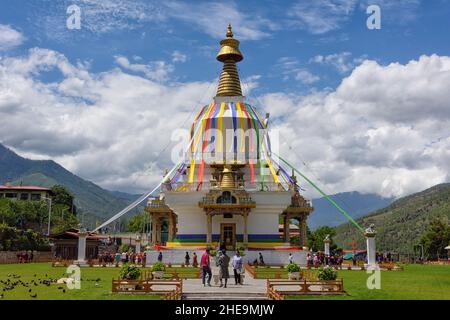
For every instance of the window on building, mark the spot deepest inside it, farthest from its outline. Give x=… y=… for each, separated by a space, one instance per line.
x=11 y=195
x=226 y=197
x=24 y=196
x=36 y=197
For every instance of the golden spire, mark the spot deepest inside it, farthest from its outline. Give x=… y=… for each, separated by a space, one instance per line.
x=227 y=178
x=229 y=54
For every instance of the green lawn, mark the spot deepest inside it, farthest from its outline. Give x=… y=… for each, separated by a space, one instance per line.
x=90 y=288
x=415 y=282
x=423 y=282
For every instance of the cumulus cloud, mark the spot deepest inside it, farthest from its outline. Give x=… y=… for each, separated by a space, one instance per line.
x=108 y=127
x=9 y=37
x=385 y=129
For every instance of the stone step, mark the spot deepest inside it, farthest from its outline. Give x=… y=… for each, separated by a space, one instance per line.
x=224 y=296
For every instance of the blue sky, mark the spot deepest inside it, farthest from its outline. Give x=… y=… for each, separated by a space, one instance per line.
x=366 y=110
x=410 y=29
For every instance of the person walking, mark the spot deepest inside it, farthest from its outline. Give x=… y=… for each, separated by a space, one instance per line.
x=261 y=260
x=291 y=258
x=224 y=262
x=206 y=268
x=187 y=259
x=194 y=260
x=160 y=257
x=237 y=267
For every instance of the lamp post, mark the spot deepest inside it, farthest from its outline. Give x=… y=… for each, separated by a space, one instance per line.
x=49 y=213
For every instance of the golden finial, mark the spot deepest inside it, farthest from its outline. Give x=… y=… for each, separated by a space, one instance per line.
x=229 y=54
x=227 y=178
x=229 y=31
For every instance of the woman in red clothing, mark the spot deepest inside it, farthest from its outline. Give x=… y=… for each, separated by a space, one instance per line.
x=206 y=268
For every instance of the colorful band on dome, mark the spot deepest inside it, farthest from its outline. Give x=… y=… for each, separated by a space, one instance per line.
x=250 y=159
x=219 y=142
x=242 y=126
x=233 y=115
x=196 y=141
x=206 y=132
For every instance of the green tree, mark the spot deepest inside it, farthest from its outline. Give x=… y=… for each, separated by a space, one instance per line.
x=139 y=222
x=315 y=238
x=63 y=196
x=436 y=238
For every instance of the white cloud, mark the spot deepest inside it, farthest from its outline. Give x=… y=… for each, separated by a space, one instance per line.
x=213 y=18
x=107 y=127
x=343 y=61
x=306 y=77
x=321 y=16
x=107 y=16
x=385 y=129
x=290 y=68
x=177 y=56
x=155 y=70
x=9 y=37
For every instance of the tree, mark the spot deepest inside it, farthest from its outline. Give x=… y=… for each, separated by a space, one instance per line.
x=436 y=238
x=63 y=196
x=139 y=222
x=315 y=238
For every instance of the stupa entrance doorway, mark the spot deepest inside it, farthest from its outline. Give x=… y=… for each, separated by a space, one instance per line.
x=228 y=235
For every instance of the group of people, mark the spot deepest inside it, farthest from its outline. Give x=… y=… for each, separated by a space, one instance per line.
x=187 y=260
x=25 y=257
x=384 y=257
x=223 y=262
x=124 y=257
x=320 y=259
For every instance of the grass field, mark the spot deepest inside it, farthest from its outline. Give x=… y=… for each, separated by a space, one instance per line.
x=422 y=282
x=91 y=289
x=415 y=282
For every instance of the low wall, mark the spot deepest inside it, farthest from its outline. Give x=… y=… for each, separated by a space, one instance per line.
x=11 y=256
x=271 y=257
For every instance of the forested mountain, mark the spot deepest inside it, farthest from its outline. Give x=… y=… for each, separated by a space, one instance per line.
x=93 y=202
x=400 y=225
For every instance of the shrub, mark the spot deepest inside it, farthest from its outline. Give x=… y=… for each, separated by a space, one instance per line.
x=327 y=273
x=129 y=272
x=292 y=267
x=158 y=266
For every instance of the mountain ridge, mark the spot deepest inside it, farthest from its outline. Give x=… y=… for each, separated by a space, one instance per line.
x=400 y=225
x=92 y=200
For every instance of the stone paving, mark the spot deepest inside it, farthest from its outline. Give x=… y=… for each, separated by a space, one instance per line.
x=250 y=285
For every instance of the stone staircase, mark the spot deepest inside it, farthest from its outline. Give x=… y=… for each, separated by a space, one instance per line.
x=224 y=296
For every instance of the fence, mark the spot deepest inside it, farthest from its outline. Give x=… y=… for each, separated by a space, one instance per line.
x=140 y=286
x=303 y=287
x=7 y=257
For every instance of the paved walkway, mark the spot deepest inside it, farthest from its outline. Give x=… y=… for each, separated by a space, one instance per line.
x=250 y=285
